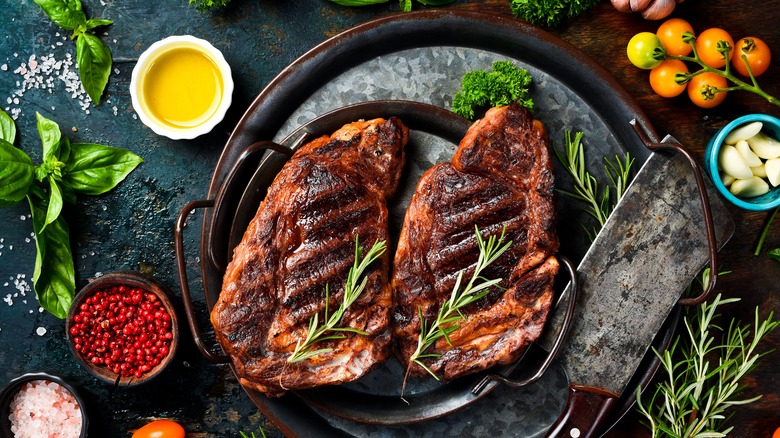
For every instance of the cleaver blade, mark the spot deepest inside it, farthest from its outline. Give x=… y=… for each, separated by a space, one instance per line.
x=650 y=249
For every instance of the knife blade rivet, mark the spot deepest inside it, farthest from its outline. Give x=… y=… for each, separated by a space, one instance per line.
x=574 y=433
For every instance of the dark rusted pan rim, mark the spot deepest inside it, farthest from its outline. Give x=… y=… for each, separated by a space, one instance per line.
x=502 y=35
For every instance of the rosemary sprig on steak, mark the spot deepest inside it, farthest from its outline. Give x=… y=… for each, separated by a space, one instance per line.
x=352 y=289
x=450 y=312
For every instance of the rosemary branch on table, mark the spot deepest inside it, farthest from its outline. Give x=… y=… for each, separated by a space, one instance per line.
x=330 y=329
x=586 y=187
x=450 y=311
x=703 y=377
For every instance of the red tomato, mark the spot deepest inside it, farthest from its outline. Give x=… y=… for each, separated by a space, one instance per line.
x=671 y=35
x=756 y=53
x=701 y=89
x=662 y=78
x=707 y=46
x=160 y=429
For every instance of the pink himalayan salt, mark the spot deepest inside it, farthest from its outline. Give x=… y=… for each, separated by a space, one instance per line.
x=43 y=409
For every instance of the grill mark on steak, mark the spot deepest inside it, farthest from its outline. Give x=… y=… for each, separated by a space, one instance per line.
x=301 y=240
x=499 y=179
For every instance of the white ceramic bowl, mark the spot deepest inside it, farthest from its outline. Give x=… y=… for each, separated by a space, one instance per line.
x=145 y=63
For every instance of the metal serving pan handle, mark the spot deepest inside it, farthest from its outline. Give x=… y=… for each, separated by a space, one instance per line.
x=709 y=225
x=572 y=299
x=181 y=265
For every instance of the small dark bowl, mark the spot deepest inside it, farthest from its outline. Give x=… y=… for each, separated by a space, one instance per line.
x=129 y=279
x=12 y=387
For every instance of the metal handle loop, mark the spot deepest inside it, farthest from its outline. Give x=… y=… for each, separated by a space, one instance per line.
x=573 y=291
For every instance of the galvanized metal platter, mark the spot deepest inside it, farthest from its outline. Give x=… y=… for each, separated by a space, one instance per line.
x=421 y=57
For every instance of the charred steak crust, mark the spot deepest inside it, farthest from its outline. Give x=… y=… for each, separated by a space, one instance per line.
x=303 y=238
x=501 y=176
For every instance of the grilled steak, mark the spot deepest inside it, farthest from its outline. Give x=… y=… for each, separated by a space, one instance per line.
x=303 y=239
x=500 y=178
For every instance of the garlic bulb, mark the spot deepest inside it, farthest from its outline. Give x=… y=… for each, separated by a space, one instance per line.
x=650 y=9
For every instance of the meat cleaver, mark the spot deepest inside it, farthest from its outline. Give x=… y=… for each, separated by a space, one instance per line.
x=648 y=252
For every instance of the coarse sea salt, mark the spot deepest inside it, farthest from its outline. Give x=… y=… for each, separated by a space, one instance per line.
x=44 y=409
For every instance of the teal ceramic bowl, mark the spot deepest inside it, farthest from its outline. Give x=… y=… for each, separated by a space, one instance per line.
x=771 y=127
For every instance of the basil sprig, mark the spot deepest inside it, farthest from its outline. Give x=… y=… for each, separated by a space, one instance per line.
x=67 y=168
x=93 y=57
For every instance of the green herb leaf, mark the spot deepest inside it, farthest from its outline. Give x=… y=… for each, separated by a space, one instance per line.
x=50 y=138
x=65 y=13
x=54 y=277
x=7 y=128
x=55 y=203
x=94 y=64
x=774 y=254
x=406 y=5
x=550 y=13
x=94 y=169
x=482 y=89
x=16 y=174
x=97 y=22
x=209 y=4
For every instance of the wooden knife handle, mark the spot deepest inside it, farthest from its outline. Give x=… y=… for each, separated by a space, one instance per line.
x=585 y=411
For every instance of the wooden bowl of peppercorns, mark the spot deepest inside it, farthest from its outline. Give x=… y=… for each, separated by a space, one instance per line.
x=122 y=326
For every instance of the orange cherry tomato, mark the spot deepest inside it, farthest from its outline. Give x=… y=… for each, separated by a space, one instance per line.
x=777 y=433
x=160 y=429
x=662 y=78
x=756 y=53
x=701 y=89
x=671 y=35
x=707 y=46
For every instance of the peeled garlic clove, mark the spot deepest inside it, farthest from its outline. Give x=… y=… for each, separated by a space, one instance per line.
x=749 y=187
x=773 y=171
x=731 y=161
x=759 y=171
x=658 y=9
x=764 y=146
x=744 y=132
x=727 y=179
x=751 y=159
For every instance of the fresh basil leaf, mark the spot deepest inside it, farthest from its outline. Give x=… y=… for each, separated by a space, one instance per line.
x=16 y=174
x=93 y=59
x=358 y=2
x=54 y=277
x=50 y=138
x=55 y=203
x=64 y=149
x=94 y=168
x=774 y=254
x=406 y=5
x=7 y=128
x=65 y=13
x=97 y=22
x=68 y=195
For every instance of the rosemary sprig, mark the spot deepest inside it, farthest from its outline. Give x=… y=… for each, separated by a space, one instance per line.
x=450 y=311
x=352 y=289
x=586 y=187
x=765 y=232
x=251 y=434
x=702 y=385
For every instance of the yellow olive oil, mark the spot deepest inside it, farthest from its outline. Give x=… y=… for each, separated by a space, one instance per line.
x=182 y=87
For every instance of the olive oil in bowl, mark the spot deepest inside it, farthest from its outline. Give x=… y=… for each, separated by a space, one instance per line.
x=181 y=87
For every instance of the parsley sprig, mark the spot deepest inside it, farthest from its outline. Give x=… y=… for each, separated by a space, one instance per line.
x=353 y=288
x=450 y=313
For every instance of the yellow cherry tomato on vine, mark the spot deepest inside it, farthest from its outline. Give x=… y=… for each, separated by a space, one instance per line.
x=160 y=429
x=640 y=50
x=756 y=53
x=662 y=78
x=707 y=46
x=701 y=89
x=671 y=35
